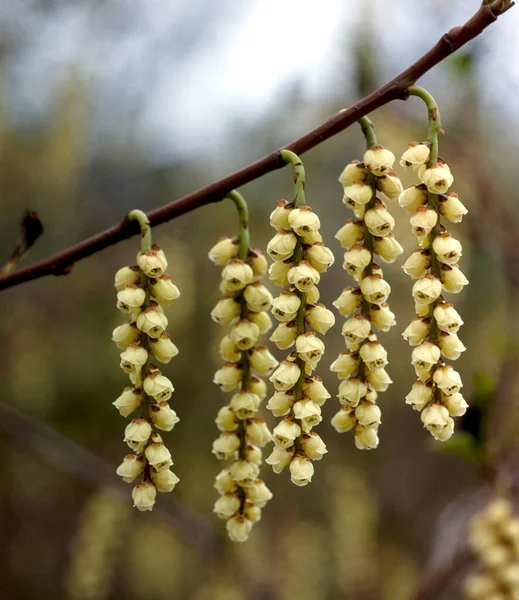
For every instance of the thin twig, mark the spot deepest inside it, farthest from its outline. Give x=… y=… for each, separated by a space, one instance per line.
x=396 y=89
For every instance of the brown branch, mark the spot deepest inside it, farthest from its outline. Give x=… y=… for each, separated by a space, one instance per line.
x=396 y=89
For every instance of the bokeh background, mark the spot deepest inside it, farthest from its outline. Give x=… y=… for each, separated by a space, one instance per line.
x=110 y=105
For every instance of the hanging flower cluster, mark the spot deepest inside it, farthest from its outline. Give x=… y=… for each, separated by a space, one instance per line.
x=494 y=539
x=243 y=306
x=434 y=267
x=361 y=368
x=299 y=259
x=142 y=337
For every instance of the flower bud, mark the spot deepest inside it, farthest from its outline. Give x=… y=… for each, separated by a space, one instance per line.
x=423 y=358
x=375 y=289
x=301 y=470
x=284 y=335
x=136 y=434
x=281 y=403
x=226 y=419
x=163 y=416
x=127 y=276
x=245 y=404
x=319 y=318
x=313 y=446
x=143 y=495
x=412 y=198
x=163 y=349
x=228 y=377
x=303 y=220
x=447 y=318
x=379 y=380
x=387 y=248
x=131 y=467
x=262 y=361
x=282 y=245
x=447 y=379
x=390 y=185
x=312 y=238
x=349 y=301
x=280 y=458
x=226 y=445
x=351 y=391
x=356 y=329
x=286 y=305
x=455 y=404
x=253 y=454
x=451 y=346
x=129 y=298
x=381 y=316
x=285 y=376
x=353 y=172
x=259 y=493
x=164 y=290
x=158 y=386
x=379 y=160
x=345 y=365
x=344 y=420
x=262 y=320
x=152 y=322
x=308 y=413
x=239 y=528
x=378 y=220
x=227 y=505
x=125 y=334
x=423 y=222
x=303 y=276
x=427 y=289
x=279 y=216
x=228 y=350
x=451 y=207
x=226 y=311
x=418 y=263
x=453 y=280
x=259 y=264
x=152 y=263
x=224 y=482
x=435 y=417
x=421 y=394
x=158 y=456
x=447 y=249
x=309 y=348
x=223 y=251
x=366 y=438
x=373 y=355
x=257 y=297
x=356 y=260
x=416 y=332
x=278 y=272
x=437 y=178
x=285 y=433
x=237 y=274
x=351 y=233
x=357 y=193
x=258 y=432
x=244 y=473
x=320 y=257
x=257 y=386
x=129 y=401
x=133 y=358
x=313 y=295
x=416 y=155
x=244 y=334
x=368 y=414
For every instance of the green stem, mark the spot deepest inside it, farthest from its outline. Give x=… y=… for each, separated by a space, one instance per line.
x=368 y=129
x=435 y=125
x=299 y=176
x=243 y=216
x=144 y=223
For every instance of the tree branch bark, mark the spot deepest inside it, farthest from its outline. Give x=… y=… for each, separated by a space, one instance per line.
x=396 y=89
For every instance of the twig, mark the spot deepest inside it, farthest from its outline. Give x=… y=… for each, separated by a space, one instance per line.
x=396 y=89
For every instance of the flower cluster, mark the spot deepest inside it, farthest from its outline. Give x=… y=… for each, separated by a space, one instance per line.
x=299 y=259
x=143 y=337
x=243 y=307
x=361 y=368
x=434 y=267
x=494 y=539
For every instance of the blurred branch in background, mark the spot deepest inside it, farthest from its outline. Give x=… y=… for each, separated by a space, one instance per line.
x=32 y=229
x=396 y=89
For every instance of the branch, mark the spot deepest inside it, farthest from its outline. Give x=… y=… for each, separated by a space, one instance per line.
x=396 y=89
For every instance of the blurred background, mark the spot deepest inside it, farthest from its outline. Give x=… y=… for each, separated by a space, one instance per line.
x=110 y=105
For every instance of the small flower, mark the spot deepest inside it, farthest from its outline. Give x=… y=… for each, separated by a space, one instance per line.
x=354 y=171
x=451 y=207
x=227 y=505
x=131 y=467
x=416 y=155
x=412 y=198
x=447 y=249
x=387 y=248
x=421 y=394
x=418 y=263
x=455 y=404
x=344 y=420
x=244 y=334
x=447 y=379
x=435 y=417
x=258 y=432
x=381 y=316
x=319 y=318
x=131 y=297
x=158 y=386
x=356 y=329
x=313 y=446
x=286 y=305
x=258 y=386
x=133 y=358
x=228 y=350
x=164 y=290
x=152 y=263
x=237 y=274
x=163 y=349
x=282 y=245
x=356 y=260
x=257 y=297
x=285 y=376
x=278 y=272
x=284 y=335
x=351 y=391
x=163 y=416
x=143 y=495
x=379 y=160
x=262 y=361
x=309 y=348
x=378 y=220
x=136 y=434
x=437 y=178
x=226 y=419
x=451 y=346
x=303 y=276
x=390 y=185
x=427 y=289
x=349 y=301
x=375 y=289
x=226 y=311
x=223 y=251
x=129 y=401
x=351 y=233
x=285 y=433
x=320 y=257
x=239 y=528
x=127 y=276
x=153 y=322
x=417 y=331
x=308 y=412
x=279 y=216
x=303 y=220
x=280 y=458
x=259 y=493
x=373 y=355
x=301 y=470
x=366 y=438
x=423 y=222
x=226 y=445
x=379 y=380
x=258 y=262
x=423 y=358
x=357 y=193
x=345 y=365
x=158 y=456
x=228 y=377
x=453 y=280
x=244 y=472
x=245 y=404
x=125 y=334
x=447 y=317
x=281 y=403
x=262 y=320
x=368 y=414
x=224 y=482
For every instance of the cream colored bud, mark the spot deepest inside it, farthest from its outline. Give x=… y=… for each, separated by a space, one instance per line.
x=285 y=376
x=451 y=346
x=366 y=438
x=418 y=263
x=244 y=472
x=421 y=394
x=223 y=251
x=245 y=404
x=481 y=587
x=262 y=361
x=435 y=417
x=303 y=220
x=228 y=350
x=437 y=178
x=412 y=198
x=378 y=379
x=447 y=379
x=313 y=446
x=308 y=412
x=455 y=404
x=499 y=512
x=282 y=245
x=452 y=207
x=279 y=216
x=125 y=334
x=357 y=193
x=257 y=386
x=158 y=456
x=346 y=364
x=281 y=403
x=164 y=290
x=136 y=434
x=423 y=358
x=244 y=334
x=280 y=458
x=262 y=320
x=390 y=185
x=381 y=316
x=285 y=433
x=309 y=347
x=423 y=222
x=416 y=155
x=303 y=276
x=158 y=386
x=447 y=249
x=239 y=528
x=354 y=171
x=129 y=401
x=312 y=238
x=387 y=248
x=375 y=289
x=278 y=272
x=152 y=263
x=427 y=289
x=224 y=482
x=319 y=318
x=286 y=305
x=226 y=445
x=416 y=332
x=421 y=310
x=356 y=329
x=163 y=416
x=351 y=391
x=313 y=295
x=320 y=257
x=284 y=335
x=447 y=318
x=226 y=311
x=227 y=290
x=226 y=419
x=257 y=297
x=453 y=280
x=133 y=358
x=228 y=377
x=351 y=233
x=129 y=298
x=313 y=388
x=368 y=414
x=163 y=349
x=259 y=493
x=237 y=274
x=258 y=432
x=127 y=276
x=301 y=470
x=379 y=160
x=356 y=260
x=349 y=301
x=227 y=505
x=378 y=220
x=258 y=262
x=143 y=495
x=373 y=355
x=152 y=322
x=344 y=420
x=131 y=467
